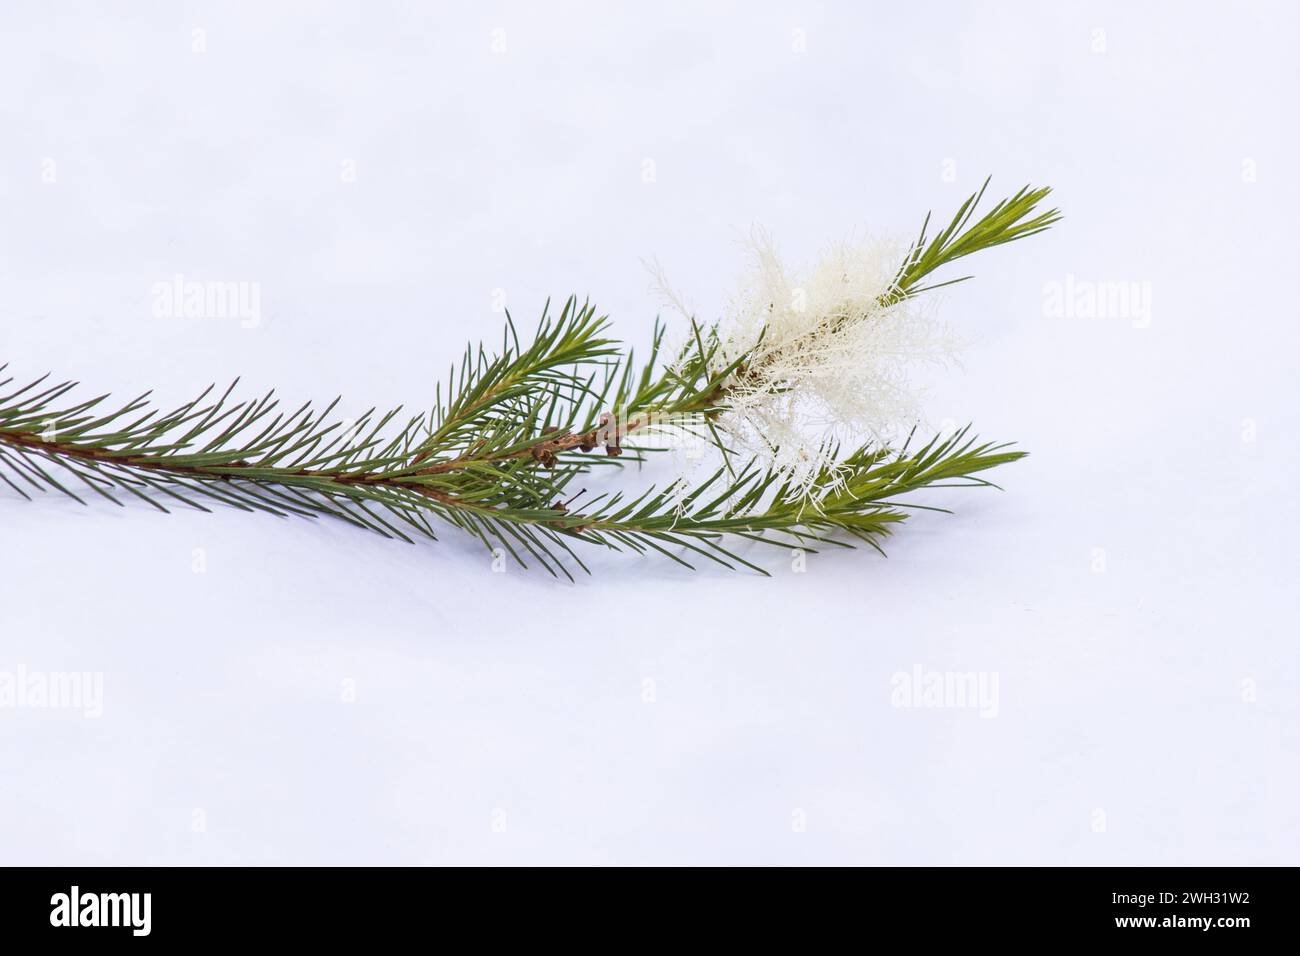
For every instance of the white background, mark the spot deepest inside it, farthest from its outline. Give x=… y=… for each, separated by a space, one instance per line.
x=1148 y=690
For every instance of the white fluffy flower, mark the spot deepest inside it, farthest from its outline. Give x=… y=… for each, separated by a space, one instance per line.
x=825 y=363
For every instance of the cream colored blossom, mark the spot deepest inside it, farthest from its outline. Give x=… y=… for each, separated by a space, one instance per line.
x=825 y=363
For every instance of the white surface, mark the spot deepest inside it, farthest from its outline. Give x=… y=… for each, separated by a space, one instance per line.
x=1121 y=734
